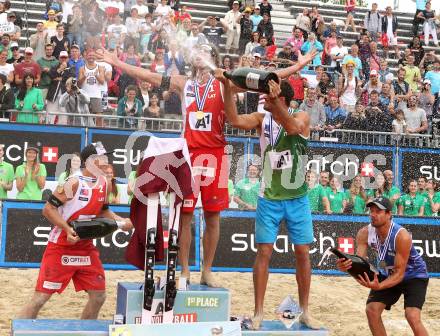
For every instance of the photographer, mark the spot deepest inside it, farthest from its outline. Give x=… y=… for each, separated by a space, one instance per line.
x=75 y=100
x=129 y=106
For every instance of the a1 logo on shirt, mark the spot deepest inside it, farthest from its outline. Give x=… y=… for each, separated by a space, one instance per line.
x=280 y=160
x=204 y=124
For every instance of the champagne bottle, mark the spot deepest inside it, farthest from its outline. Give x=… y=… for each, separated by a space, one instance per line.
x=92 y=228
x=252 y=79
x=359 y=265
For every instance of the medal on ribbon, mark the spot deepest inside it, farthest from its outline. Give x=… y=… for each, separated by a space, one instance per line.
x=272 y=138
x=382 y=249
x=200 y=102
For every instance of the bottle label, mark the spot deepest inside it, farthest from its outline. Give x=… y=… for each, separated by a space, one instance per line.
x=252 y=80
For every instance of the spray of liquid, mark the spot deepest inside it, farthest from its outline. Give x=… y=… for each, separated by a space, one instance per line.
x=194 y=53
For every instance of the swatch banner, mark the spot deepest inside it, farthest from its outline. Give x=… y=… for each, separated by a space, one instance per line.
x=128 y=146
x=17 y=138
x=415 y=163
x=237 y=246
x=25 y=235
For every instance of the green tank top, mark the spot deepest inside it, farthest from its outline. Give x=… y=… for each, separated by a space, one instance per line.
x=283 y=166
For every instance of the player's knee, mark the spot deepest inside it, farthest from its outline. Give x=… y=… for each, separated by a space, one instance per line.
x=264 y=251
x=373 y=313
x=98 y=298
x=39 y=300
x=412 y=316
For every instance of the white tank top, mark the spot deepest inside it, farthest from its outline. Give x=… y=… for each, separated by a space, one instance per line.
x=91 y=85
x=349 y=95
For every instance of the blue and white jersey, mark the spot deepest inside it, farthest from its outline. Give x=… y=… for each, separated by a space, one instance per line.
x=416 y=266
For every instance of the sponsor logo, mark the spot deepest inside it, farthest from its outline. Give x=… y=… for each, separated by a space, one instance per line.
x=52 y=285
x=84 y=192
x=178 y=318
x=188 y=203
x=202 y=302
x=165 y=238
x=50 y=154
x=346 y=245
x=67 y=260
x=84 y=199
x=367 y=169
x=430 y=172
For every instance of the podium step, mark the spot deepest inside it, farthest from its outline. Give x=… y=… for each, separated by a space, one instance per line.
x=197 y=304
x=60 y=327
x=272 y=328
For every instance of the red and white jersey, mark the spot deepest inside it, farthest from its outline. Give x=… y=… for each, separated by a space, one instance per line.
x=208 y=131
x=86 y=203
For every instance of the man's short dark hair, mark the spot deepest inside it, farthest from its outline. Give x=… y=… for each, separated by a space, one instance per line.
x=3 y=78
x=286 y=92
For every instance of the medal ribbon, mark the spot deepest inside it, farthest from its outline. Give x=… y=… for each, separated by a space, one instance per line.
x=274 y=140
x=201 y=102
x=382 y=249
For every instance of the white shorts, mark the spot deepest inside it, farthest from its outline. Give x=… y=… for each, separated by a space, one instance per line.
x=392 y=40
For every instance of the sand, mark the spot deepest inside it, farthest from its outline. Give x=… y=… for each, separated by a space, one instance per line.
x=339 y=302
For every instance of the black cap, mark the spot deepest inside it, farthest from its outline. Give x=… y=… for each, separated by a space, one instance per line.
x=382 y=203
x=93 y=149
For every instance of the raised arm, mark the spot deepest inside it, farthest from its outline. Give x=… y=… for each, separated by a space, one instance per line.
x=177 y=82
x=302 y=62
x=242 y=121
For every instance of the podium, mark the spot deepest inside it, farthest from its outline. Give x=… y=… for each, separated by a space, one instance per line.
x=197 y=304
x=60 y=327
x=270 y=328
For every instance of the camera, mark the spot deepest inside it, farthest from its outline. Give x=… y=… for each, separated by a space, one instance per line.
x=74 y=85
x=217 y=18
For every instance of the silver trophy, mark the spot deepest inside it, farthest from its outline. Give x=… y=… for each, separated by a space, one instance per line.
x=289 y=311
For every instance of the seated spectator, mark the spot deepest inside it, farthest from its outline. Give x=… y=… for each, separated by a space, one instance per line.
x=354 y=59
x=265 y=8
x=334 y=200
x=329 y=44
x=315 y=109
x=349 y=87
x=432 y=199
x=140 y=7
x=128 y=107
x=172 y=102
x=386 y=97
x=116 y=33
x=73 y=166
x=134 y=26
x=114 y=192
x=399 y=123
x=417 y=50
x=310 y=44
x=154 y=110
x=378 y=187
x=403 y=59
x=298 y=83
x=195 y=37
x=214 y=31
x=147 y=29
x=7 y=99
x=286 y=57
x=123 y=79
x=304 y=23
x=415 y=117
x=75 y=27
x=356 y=197
x=247 y=189
x=75 y=101
x=372 y=84
x=30 y=176
x=412 y=203
x=378 y=118
x=158 y=65
x=324 y=87
x=144 y=91
x=296 y=40
x=174 y=59
x=17 y=57
x=421 y=185
x=261 y=48
x=265 y=28
x=50 y=25
x=315 y=192
x=357 y=119
x=6 y=68
x=412 y=74
x=159 y=41
x=385 y=75
x=16 y=32
x=402 y=90
x=335 y=114
x=29 y=102
x=6 y=174
x=163 y=9
x=426 y=98
x=252 y=44
x=390 y=190
x=337 y=54
x=27 y=66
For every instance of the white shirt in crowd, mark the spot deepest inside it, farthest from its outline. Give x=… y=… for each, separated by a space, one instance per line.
x=163 y=10
x=399 y=126
x=336 y=51
x=67 y=10
x=142 y=10
x=117 y=30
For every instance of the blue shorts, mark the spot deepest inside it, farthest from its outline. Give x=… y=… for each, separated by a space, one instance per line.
x=296 y=213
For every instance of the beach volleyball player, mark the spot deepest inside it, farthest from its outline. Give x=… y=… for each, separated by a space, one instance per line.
x=283 y=140
x=402 y=271
x=84 y=195
x=204 y=120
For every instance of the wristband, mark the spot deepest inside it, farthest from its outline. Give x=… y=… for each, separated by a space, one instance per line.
x=53 y=200
x=165 y=83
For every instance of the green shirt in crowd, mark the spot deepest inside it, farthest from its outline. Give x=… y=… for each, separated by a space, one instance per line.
x=428 y=209
x=6 y=176
x=31 y=191
x=316 y=194
x=388 y=194
x=411 y=205
x=247 y=191
x=336 y=201
x=27 y=113
x=45 y=78
x=358 y=203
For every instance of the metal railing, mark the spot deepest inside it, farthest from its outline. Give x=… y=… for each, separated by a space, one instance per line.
x=176 y=126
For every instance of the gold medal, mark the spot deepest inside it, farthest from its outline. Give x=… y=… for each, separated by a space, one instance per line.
x=383 y=264
x=200 y=115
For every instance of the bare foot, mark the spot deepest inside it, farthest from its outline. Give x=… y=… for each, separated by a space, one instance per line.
x=310 y=322
x=208 y=279
x=186 y=275
x=256 y=321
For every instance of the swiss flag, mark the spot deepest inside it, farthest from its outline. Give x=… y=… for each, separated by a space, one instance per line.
x=50 y=154
x=346 y=244
x=165 y=239
x=367 y=169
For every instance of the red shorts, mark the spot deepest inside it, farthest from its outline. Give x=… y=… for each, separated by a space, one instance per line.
x=211 y=172
x=60 y=264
